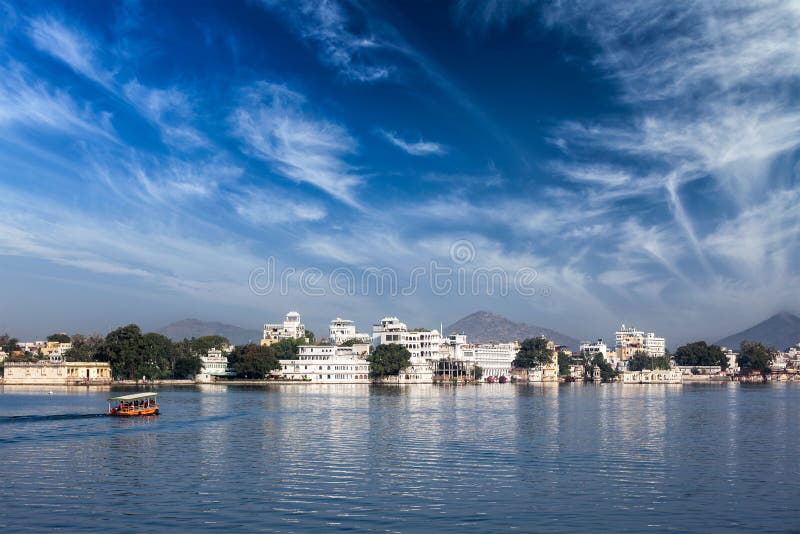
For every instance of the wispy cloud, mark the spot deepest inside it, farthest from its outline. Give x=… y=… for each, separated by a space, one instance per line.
x=170 y=110
x=266 y=208
x=325 y=23
x=414 y=148
x=28 y=102
x=273 y=126
x=70 y=46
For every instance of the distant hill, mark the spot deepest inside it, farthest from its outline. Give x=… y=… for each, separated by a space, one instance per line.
x=189 y=328
x=482 y=326
x=779 y=331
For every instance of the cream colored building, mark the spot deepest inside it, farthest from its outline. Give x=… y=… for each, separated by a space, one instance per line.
x=671 y=376
x=45 y=372
x=290 y=328
x=328 y=364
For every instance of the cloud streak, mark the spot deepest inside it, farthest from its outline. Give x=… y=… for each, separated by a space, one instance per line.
x=414 y=148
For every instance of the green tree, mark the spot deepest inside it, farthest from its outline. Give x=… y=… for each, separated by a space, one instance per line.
x=60 y=338
x=755 y=357
x=286 y=349
x=253 y=361
x=477 y=371
x=310 y=336
x=155 y=356
x=84 y=349
x=122 y=348
x=388 y=360
x=564 y=361
x=701 y=354
x=641 y=361
x=8 y=344
x=186 y=366
x=533 y=352
x=201 y=345
x=607 y=372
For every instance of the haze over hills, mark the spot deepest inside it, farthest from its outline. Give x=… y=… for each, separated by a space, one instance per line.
x=483 y=326
x=189 y=328
x=780 y=331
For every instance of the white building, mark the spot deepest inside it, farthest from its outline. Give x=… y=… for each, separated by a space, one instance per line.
x=495 y=359
x=290 y=328
x=215 y=363
x=589 y=350
x=328 y=364
x=629 y=341
x=426 y=347
x=342 y=330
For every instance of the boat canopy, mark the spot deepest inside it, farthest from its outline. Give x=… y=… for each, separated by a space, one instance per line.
x=134 y=396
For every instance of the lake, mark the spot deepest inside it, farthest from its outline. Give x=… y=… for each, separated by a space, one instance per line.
x=291 y=458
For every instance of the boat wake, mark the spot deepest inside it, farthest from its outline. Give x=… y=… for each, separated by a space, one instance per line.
x=11 y=419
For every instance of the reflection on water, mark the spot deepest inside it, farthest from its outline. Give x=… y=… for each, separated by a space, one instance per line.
x=544 y=457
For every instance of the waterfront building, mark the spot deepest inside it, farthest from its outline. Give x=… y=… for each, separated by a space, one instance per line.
x=3 y=355
x=290 y=328
x=671 y=376
x=215 y=363
x=733 y=361
x=342 y=330
x=549 y=371
x=427 y=347
x=47 y=372
x=629 y=341
x=328 y=364
x=496 y=359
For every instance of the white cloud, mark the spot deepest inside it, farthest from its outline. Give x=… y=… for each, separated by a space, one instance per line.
x=169 y=109
x=326 y=23
x=414 y=148
x=27 y=102
x=273 y=126
x=263 y=208
x=71 y=47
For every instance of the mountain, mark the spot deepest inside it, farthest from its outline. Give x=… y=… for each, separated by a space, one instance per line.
x=482 y=327
x=189 y=328
x=780 y=331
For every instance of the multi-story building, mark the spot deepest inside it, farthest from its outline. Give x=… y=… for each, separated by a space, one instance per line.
x=629 y=341
x=329 y=364
x=494 y=359
x=55 y=348
x=215 y=363
x=426 y=347
x=342 y=330
x=290 y=328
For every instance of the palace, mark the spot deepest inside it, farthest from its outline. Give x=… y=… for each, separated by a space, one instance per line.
x=56 y=372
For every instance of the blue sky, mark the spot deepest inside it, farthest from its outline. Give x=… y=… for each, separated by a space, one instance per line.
x=639 y=159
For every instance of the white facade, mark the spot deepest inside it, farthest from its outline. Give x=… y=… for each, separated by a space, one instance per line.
x=290 y=328
x=215 y=363
x=495 y=359
x=426 y=347
x=628 y=341
x=328 y=364
x=342 y=330
x=590 y=349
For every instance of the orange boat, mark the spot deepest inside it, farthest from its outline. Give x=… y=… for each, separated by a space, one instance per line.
x=134 y=405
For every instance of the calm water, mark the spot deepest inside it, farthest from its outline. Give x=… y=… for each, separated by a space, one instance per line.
x=487 y=458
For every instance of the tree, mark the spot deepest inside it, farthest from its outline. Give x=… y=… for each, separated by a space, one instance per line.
x=351 y=342
x=701 y=354
x=187 y=366
x=253 y=361
x=84 y=349
x=286 y=349
x=754 y=356
x=310 y=336
x=60 y=338
x=122 y=348
x=642 y=360
x=564 y=361
x=201 y=345
x=155 y=356
x=533 y=352
x=477 y=371
x=607 y=372
x=8 y=344
x=388 y=360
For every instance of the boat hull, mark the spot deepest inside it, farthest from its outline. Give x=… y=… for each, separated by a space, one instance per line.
x=134 y=413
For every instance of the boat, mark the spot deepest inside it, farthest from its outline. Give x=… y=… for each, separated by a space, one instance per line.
x=136 y=404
